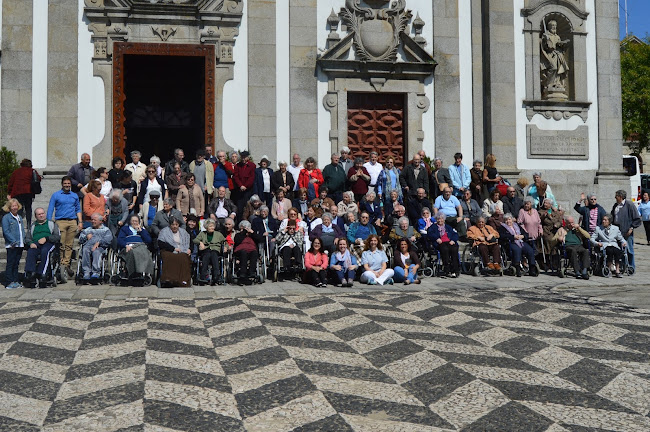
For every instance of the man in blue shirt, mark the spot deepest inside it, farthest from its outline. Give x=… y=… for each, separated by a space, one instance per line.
x=449 y=205
x=66 y=209
x=460 y=175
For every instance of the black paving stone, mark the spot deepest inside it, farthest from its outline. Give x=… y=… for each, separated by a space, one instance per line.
x=174 y=347
x=45 y=353
x=370 y=306
x=544 y=394
x=575 y=322
x=576 y=428
x=240 y=336
x=219 y=305
x=391 y=319
x=434 y=312
x=603 y=354
x=343 y=371
x=276 y=309
x=481 y=360
x=13 y=337
x=27 y=386
x=415 y=336
x=54 y=330
x=107 y=365
x=512 y=417
x=328 y=424
x=181 y=302
x=20 y=321
x=76 y=406
x=589 y=374
x=550 y=333
x=321 y=301
x=360 y=330
x=180 y=417
x=117 y=322
x=197 y=331
x=520 y=347
x=9 y=424
x=389 y=353
x=471 y=327
x=138 y=428
x=635 y=341
x=91 y=303
x=273 y=395
x=113 y=339
x=334 y=315
x=292 y=324
x=254 y=360
x=359 y=406
x=633 y=327
x=125 y=308
x=314 y=343
x=79 y=316
x=526 y=308
x=228 y=318
x=191 y=314
x=400 y=300
x=187 y=377
x=25 y=308
x=438 y=383
x=497 y=316
x=278 y=299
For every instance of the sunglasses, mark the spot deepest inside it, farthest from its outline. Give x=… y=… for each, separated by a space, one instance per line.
x=151 y=172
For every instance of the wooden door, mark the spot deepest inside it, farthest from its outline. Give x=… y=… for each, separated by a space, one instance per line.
x=376 y=122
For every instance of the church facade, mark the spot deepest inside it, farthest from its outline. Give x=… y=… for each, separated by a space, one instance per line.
x=534 y=82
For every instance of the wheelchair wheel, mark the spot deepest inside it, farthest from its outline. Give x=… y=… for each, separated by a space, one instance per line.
x=606 y=271
x=148 y=280
x=476 y=271
x=630 y=270
x=429 y=272
x=561 y=273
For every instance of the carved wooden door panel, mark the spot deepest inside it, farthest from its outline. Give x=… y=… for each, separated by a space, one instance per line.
x=376 y=122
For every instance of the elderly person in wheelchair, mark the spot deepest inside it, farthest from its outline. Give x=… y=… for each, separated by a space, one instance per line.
x=517 y=240
x=609 y=239
x=41 y=239
x=574 y=245
x=94 y=241
x=134 y=241
x=404 y=230
x=211 y=245
x=486 y=239
x=174 y=244
x=246 y=241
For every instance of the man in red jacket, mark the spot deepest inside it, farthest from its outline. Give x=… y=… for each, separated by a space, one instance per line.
x=243 y=180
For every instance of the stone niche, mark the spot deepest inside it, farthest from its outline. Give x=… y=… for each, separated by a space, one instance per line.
x=545 y=144
x=202 y=25
x=557 y=28
x=376 y=54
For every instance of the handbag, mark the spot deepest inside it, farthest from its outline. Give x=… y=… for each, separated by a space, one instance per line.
x=36 y=183
x=441 y=186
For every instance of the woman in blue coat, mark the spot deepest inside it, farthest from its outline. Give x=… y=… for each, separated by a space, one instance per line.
x=13 y=231
x=445 y=239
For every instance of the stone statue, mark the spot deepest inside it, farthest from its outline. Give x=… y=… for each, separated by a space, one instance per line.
x=553 y=63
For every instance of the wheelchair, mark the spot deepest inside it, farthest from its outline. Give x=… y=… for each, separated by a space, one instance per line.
x=278 y=271
x=233 y=268
x=472 y=263
x=510 y=269
x=599 y=263
x=196 y=270
x=106 y=259
x=566 y=267
x=120 y=276
x=53 y=273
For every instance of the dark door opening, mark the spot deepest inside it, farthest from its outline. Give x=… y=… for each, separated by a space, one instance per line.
x=164 y=107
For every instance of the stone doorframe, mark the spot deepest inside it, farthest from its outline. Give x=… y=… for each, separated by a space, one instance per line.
x=416 y=104
x=197 y=23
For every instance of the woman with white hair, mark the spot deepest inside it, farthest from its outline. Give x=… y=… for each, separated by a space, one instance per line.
x=252 y=208
x=283 y=180
x=517 y=239
x=348 y=205
x=445 y=239
x=155 y=161
x=246 y=242
x=211 y=244
x=373 y=208
x=327 y=232
x=133 y=240
x=174 y=244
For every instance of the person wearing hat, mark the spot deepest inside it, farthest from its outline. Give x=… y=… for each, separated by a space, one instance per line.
x=262 y=185
x=244 y=180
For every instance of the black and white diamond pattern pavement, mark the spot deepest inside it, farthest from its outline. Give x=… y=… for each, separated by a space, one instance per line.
x=446 y=361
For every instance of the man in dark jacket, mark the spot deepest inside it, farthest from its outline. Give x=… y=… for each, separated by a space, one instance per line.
x=335 y=177
x=511 y=202
x=416 y=204
x=80 y=174
x=221 y=208
x=179 y=155
x=592 y=213
x=439 y=177
x=626 y=218
x=41 y=239
x=161 y=220
x=413 y=177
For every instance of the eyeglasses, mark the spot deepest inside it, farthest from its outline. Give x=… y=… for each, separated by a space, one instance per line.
x=151 y=172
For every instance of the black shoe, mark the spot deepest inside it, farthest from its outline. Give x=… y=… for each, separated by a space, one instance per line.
x=518 y=271
x=42 y=282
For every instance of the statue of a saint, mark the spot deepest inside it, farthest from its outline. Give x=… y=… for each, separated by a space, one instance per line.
x=553 y=64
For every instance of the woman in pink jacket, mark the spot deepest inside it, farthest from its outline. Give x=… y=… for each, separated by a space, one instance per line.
x=316 y=265
x=529 y=219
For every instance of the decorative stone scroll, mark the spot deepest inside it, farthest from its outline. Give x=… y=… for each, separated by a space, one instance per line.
x=544 y=144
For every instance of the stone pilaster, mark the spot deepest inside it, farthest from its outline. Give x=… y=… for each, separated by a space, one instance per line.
x=62 y=84
x=303 y=27
x=16 y=132
x=261 y=79
x=447 y=79
x=477 y=83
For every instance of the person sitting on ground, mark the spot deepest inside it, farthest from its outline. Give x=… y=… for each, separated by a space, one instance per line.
x=511 y=202
x=406 y=263
x=450 y=207
x=280 y=205
x=211 y=244
x=221 y=207
x=492 y=203
x=164 y=216
x=529 y=219
x=592 y=213
x=343 y=264
x=94 y=240
x=94 y=202
x=375 y=263
x=486 y=239
x=134 y=242
x=174 y=244
x=369 y=205
x=246 y=242
x=573 y=241
x=359 y=179
x=290 y=244
x=445 y=238
x=404 y=231
x=316 y=261
x=323 y=202
x=327 y=232
x=301 y=202
x=41 y=239
x=252 y=208
x=517 y=240
x=348 y=205
x=359 y=232
x=416 y=204
x=471 y=209
x=610 y=240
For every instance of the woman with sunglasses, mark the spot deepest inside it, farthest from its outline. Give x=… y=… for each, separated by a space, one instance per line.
x=151 y=183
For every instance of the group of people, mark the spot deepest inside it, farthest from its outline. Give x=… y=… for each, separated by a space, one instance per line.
x=329 y=223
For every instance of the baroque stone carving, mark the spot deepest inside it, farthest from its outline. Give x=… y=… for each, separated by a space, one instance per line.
x=553 y=62
x=164 y=33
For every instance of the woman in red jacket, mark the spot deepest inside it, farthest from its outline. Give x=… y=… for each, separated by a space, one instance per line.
x=243 y=180
x=310 y=178
x=316 y=265
x=20 y=187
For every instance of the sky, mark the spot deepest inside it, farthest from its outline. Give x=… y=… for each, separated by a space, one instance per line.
x=638 y=21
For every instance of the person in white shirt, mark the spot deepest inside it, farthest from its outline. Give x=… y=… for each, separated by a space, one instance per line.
x=137 y=168
x=295 y=169
x=374 y=169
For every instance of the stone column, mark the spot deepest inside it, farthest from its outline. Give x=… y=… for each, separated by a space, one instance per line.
x=303 y=82
x=62 y=84
x=16 y=132
x=500 y=90
x=447 y=79
x=477 y=83
x=261 y=79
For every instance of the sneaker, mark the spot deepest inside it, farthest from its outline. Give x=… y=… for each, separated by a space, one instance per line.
x=11 y=286
x=323 y=285
x=372 y=282
x=389 y=281
x=344 y=282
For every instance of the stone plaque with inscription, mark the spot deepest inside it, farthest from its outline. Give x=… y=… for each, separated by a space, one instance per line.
x=552 y=144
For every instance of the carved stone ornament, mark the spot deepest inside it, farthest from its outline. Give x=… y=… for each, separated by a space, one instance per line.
x=164 y=33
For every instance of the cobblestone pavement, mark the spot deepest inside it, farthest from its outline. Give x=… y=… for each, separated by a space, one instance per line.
x=457 y=359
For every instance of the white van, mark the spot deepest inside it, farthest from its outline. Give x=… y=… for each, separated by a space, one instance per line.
x=633 y=170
